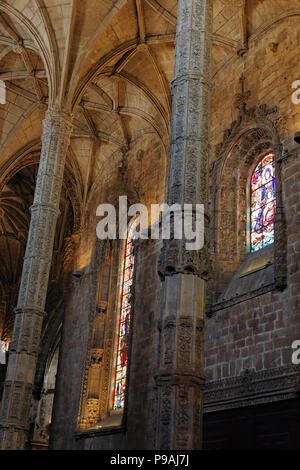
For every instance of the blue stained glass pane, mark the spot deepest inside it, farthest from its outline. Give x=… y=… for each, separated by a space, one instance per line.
x=268 y=235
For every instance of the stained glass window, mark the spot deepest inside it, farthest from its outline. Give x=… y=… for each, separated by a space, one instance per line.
x=263 y=203
x=124 y=321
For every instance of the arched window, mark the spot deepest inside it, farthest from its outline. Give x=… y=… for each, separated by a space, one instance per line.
x=124 y=320
x=263 y=203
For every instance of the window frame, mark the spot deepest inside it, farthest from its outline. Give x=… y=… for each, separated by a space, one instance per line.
x=249 y=199
x=121 y=270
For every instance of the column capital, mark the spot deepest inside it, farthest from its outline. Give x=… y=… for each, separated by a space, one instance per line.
x=176 y=259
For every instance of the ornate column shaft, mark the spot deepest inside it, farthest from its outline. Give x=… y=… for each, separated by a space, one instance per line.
x=29 y=314
x=180 y=376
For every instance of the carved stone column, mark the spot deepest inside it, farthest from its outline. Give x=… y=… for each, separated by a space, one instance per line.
x=29 y=314
x=180 y=376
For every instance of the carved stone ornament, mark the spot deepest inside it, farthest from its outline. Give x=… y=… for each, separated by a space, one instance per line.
x=246 y=116
x=97 y=356
x=251 y=388
x=174 y=259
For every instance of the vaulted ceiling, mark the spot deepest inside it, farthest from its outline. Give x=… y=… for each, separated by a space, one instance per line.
x=111 y=62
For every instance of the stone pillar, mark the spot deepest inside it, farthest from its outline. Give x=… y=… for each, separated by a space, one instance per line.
x=180 y=374
x=29 y=314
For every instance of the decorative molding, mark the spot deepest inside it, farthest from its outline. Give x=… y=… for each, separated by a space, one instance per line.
x=175 y=258
x=251 y=388
x=241 y=298
x=255 y=115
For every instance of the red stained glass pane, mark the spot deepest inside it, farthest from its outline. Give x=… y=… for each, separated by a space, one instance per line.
x=256 y=241
x=256 y=181
x=268 y=159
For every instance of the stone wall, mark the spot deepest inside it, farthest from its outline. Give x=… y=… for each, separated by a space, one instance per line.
x=257 y=333
x=248 y=338
x=141 y=175
x=269 y=67
x=254 y=332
